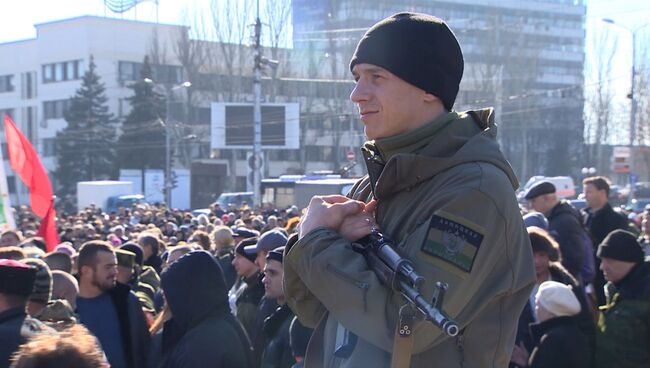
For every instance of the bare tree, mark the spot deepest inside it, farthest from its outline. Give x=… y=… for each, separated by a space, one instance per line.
x=643 y=107
x=600 y=95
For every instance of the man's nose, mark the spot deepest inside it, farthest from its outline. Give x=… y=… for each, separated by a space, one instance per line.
x=360 y=93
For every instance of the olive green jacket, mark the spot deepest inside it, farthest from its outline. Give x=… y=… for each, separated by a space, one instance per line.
x=446 y=197
x=623 y=339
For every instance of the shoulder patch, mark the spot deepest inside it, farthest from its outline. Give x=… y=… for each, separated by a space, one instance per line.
x=453 y=240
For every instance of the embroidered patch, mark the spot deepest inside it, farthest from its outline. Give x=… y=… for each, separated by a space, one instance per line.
x=452 y=240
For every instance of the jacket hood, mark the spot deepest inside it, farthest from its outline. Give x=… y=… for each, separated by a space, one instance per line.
x=456 y=138
x=194 y=288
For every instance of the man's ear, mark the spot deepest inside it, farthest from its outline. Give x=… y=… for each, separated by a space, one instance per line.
x=428 y=97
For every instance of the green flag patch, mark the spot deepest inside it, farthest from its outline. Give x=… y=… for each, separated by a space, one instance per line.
x=452 y=240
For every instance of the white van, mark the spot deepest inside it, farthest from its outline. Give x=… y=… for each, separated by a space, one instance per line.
x=564 y=186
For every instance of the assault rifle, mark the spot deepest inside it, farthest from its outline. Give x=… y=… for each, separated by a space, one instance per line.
x=398 y=273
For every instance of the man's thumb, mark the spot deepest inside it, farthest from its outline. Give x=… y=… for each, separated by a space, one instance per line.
x=350 y=207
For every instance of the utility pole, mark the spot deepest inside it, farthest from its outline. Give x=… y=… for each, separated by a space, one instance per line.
x=168 y=155
x=167 y=124
x=257 y=112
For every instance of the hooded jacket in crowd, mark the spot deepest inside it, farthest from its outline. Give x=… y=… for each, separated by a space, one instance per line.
x=202 y=331
x=444 y=177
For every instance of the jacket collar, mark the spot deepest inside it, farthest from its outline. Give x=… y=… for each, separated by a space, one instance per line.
x=537 y=330
x=12 y=313
x=401 y=162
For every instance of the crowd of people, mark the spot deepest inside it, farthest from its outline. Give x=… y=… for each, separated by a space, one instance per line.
x=590 y=306
x=239 y=287
x=150 y=287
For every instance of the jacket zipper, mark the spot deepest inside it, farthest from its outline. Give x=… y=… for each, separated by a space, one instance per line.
x=359 y=284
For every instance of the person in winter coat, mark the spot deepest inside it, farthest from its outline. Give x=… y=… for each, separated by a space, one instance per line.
x=623 y=339
x=548 y=268
x=247 y=292
x=440 y=189
x=201 y=332
x=565 y=223
x=559 y=342
x=277 y=352
x=600 y=219
x=109 y=310
x=16 y=327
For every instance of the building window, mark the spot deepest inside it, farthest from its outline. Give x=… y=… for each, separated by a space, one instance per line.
x=6 y=83
x=4 y=112
x=166 y=74
x=49 y=147
x=63 y=71
x=55 y=109
x=128 y=71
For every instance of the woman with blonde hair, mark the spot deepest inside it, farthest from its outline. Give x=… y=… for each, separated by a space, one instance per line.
x=224 y=248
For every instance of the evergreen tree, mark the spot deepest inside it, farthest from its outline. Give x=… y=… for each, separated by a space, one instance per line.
x=142 y=143
x=85 y=148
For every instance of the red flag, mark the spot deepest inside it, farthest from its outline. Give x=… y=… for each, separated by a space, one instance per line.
x=48 y=230
x=26 y=163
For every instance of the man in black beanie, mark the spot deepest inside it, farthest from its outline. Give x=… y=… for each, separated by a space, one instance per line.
x=437 y=186
x=246 y=293
x=624 y=328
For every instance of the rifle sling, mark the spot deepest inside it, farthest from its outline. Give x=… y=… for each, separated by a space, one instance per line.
x=403 y=340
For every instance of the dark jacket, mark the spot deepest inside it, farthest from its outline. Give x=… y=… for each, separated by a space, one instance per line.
x=623 y=338
x=584 y=320
x=155 y=262
x=11 y=322
x=600 y=224
x=258 y=339
x=224 y=257
x=565 y=222
x=16 y=327
x=202 y=331
x=277 y=353
x=559 y=343
x=133 y=325
x=248 y=293
x=603 y=222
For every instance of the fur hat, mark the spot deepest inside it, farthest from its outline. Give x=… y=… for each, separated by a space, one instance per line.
x=16 y=277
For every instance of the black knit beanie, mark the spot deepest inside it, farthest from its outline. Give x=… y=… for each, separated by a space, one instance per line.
x=418 y=48
x=239 y=249
x=622 y=246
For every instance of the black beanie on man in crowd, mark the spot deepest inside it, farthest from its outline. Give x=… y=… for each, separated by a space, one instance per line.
x=621 y=245
x=418 y=48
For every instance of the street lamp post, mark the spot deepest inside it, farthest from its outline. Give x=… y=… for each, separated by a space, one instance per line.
x=633 y=102
x=167 y=124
